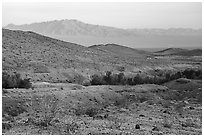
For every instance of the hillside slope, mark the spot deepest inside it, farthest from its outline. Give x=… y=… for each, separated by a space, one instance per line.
x=46 y=59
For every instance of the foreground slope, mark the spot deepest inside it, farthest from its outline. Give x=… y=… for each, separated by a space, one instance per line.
x=146 y=109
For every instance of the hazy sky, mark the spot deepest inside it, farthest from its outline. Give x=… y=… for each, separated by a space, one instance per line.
x=122 y=15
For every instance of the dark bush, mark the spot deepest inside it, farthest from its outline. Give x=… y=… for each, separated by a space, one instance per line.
x=121 y=78
x=97 y=80
x=192 y=74
x=107 y=78
x=13 y=80
x=137 y=79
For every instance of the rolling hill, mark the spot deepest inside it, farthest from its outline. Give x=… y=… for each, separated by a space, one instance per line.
x=170 y=51
x=180 y=52
x=87 y=34
x=45 y=58
x=195 y=52
x=121 y=50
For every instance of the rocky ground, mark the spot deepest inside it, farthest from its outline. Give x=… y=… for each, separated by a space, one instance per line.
x=62 y=108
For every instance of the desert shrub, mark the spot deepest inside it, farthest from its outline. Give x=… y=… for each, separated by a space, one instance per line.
x=108 y=79
x=71 y=127
x=86 y=83
x=63 y=127
x=115 y=79
x=167 y=76
x=43 y=109
x=116 y=122
x=97 y=80
x=14 y=80
x=77 y=78
x=90 y=111
x=25 y=83
x=137 y=79
x=121 y=102
x=76 y=87
x=188 y=123
x=74 y=77
x=172 y=95
x=121 y=78
x=179 y=108
x=166 y=123
x=121 y=68
x=165 y=103
x=143 y=97
x=6 y=125
x=192 y=73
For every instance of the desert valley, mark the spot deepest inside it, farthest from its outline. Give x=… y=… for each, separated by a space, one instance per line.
x=59 y=79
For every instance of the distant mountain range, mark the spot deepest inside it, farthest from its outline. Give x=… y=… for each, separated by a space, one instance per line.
x=87 y=34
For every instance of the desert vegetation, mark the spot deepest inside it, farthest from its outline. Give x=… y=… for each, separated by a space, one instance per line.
x=121 y=79
x=14 y=80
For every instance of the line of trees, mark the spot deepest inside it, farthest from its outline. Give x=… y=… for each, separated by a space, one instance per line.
x=121 y=79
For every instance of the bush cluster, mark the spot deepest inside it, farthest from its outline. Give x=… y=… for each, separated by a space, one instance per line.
x=121 y=79
x=14 y=80
x=193 y=74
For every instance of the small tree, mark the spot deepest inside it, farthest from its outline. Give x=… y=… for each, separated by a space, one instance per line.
x=121 y=78
x=107 y=78
x=138 y=79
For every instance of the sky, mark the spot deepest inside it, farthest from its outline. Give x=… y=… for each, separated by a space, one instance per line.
x=118 y=14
